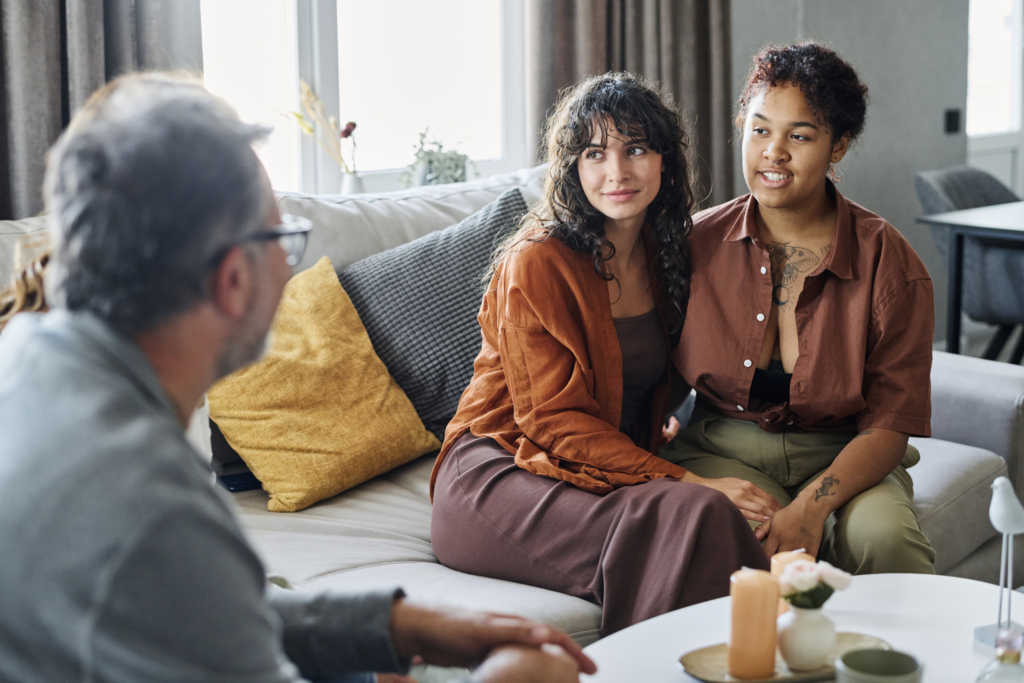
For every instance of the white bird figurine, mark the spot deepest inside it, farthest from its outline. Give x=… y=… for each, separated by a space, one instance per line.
x=1007 y=516
x=1006 y=512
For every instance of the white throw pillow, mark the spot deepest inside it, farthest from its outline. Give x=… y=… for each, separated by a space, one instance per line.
x=347 y=229
x=11 y=234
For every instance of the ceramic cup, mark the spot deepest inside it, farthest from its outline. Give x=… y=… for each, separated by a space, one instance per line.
x=878 y=666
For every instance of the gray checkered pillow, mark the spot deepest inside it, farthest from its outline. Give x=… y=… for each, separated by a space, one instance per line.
x=419 y=303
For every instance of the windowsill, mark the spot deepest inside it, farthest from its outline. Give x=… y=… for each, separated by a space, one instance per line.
x=390 y=180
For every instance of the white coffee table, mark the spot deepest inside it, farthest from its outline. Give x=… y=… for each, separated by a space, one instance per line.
x=932 y=617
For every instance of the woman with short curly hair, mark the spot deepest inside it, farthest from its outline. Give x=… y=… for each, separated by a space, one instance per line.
x=808 y=338
x=548 y=474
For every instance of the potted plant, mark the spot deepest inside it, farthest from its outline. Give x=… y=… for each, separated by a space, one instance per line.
x=433 y=165
x=806 y=636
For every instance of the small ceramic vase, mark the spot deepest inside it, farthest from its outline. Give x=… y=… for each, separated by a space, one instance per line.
x=352 y=183
x=806 y=639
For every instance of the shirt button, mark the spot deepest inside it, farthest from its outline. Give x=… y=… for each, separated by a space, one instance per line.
x=747 y=363
x=739 y=408
x=763 y=270
x=760 y=317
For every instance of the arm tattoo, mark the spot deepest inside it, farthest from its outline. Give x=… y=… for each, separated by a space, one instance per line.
x=864 y=433
x=787 y=263
x=806 y=532
x=827 y=483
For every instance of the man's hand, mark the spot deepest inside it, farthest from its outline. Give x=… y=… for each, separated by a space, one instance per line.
x=454 y=637
x=755 y=504
x=795 y=526
x=519 y=664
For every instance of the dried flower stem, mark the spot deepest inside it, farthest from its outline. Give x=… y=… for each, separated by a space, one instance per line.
x=326 y=130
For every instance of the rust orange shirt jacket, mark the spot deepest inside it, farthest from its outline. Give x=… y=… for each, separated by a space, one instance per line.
x=547 y=384
x=865 y=322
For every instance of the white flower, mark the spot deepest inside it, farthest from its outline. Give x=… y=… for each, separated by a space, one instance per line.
x=836 y=578
x=799 y=577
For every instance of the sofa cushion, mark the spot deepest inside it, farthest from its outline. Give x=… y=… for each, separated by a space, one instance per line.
x=419 y=303
x=350 y=228
x=30 y=232
x=952 y=495
x=319 y=414
x=377 y=535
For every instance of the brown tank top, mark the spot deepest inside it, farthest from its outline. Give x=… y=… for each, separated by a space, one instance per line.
x=644 y=359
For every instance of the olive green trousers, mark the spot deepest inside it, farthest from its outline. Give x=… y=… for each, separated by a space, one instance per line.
x=876 y=532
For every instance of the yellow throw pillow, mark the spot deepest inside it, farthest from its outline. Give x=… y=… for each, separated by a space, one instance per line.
x=319 y=413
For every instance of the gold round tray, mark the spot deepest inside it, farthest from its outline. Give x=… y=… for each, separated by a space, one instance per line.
x=710 y=664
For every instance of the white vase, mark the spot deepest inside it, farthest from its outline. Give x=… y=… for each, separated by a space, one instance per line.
x=806 y=639
x=352 y=183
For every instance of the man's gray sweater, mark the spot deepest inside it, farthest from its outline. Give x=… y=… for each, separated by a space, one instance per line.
x=119 y=561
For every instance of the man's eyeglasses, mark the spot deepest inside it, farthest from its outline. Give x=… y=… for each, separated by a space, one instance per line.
x=290 y=234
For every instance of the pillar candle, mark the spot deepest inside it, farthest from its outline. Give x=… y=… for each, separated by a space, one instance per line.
x=755 y=597
x=779 y=562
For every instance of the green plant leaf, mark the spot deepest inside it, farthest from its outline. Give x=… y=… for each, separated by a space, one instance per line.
x=812 y=599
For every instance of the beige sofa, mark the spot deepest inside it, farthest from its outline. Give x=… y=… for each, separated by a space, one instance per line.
x=378 y=534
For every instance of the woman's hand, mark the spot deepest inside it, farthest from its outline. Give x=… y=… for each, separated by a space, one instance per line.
x=795 y=527
x=669 y=431
x=755 y=504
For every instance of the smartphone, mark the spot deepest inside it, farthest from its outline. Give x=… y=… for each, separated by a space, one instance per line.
x=243 y=481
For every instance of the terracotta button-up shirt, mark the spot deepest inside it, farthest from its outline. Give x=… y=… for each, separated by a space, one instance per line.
x=865 y=322
x=547 y=384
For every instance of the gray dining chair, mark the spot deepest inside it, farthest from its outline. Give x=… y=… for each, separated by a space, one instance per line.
x=993 y=274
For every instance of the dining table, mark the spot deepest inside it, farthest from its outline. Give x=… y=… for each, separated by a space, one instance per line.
x=1000 y=225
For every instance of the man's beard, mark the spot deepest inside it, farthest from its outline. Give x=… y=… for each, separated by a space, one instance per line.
x=248 y=346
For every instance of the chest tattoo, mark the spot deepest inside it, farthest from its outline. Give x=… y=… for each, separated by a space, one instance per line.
x=788 y=263
x=825 y=489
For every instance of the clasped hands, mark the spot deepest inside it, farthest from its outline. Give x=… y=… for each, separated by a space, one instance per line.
x=507 y=649
x=798 y=525
x=782 y=528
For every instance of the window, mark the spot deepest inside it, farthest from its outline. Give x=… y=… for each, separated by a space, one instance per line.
x=436 y=65
x=395 y=67
x=249 y=60
x=994 y=67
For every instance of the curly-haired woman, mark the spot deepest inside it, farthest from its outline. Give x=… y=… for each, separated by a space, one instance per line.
x=548 y=474
x=822 y=316
x=26 y=292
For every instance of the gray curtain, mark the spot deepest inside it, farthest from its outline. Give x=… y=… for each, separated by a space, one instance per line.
x=682 y=44
x=56 y=53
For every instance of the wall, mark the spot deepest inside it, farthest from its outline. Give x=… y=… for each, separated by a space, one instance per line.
x=912 y=54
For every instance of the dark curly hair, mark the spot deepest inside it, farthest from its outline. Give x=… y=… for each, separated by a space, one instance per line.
x=833 y=90
x=639 y=110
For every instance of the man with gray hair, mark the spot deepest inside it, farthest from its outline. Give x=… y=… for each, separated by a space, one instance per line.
x=121 y=561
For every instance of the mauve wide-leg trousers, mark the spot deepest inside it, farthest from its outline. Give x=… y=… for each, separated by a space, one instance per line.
x=637 y=552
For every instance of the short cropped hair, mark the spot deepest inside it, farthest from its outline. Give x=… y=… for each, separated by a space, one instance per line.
x=152 y=180
x=833 y=90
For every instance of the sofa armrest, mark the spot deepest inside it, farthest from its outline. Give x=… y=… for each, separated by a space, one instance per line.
x=980 y=403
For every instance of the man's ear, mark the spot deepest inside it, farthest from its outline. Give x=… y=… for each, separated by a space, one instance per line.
x=231 y=287
x=839 y=149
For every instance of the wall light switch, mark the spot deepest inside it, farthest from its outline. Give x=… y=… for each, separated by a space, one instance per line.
x=952 y=121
